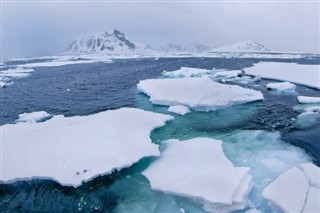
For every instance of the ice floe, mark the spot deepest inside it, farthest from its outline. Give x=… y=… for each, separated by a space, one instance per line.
x=6 y=76
x=33 y=117
x=186 y=72
x=228 y=74
x=75 y=149
x=296 y=190
x=198 y=169
x=179 y=109
x=201 y=94
x=297 y=73
x=282 y=86
x=308 y=100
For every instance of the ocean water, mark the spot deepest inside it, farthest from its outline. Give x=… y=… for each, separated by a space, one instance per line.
x=266 y=130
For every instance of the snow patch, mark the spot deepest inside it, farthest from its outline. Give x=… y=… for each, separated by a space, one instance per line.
x=201 y=94
x=198 y=169
x=75 y=149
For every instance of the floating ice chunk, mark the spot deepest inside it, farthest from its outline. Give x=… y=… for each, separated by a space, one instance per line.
x=307 y=119
x=308 y=100
x=282 y=86
x=288 y=191
x=75 y=149
x=33 y=117
x=312 y=172
x=228 y=74
x=201 y=94
x=297 y=73
x=313 y=201
x=16 y=73
x=187 y=72
x=179 y=109
x=198 y=169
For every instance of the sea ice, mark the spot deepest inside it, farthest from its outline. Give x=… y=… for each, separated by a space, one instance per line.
x=186 y=72
x=33 y=117
x=198 y=169
x=75 y=149
x=282 y=86
x=228 y=74
x=288 y=191
x=15 y=73
x=201 y=94
x=313 y=201
x=179 y=109
x=308 y=100
x=312 y=172
x=297 y=73
x=296 y=190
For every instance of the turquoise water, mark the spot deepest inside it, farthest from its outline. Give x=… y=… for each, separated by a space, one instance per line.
x=257 y=135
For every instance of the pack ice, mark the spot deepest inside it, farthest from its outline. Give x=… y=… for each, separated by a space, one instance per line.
x=201 y=94
x=184 y=72
x=198 y=169
x=33 y=116
x=75 y=149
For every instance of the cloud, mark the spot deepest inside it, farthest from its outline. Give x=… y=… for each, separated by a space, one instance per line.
x=44 y=28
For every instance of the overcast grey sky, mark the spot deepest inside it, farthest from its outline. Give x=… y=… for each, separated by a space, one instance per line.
x=45 y=28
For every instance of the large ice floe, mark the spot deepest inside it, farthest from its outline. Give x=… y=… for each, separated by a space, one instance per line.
x=201 y=94
x=296 y=190
x=297 y=73
x=215 y=183
x=75 y=149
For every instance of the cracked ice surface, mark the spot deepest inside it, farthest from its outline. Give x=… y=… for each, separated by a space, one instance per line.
x=198 y=169
x=296 y=190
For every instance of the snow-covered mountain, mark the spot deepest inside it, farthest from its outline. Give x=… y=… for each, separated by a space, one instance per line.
x=246 y=46
x=195 y=47
x=108 y=43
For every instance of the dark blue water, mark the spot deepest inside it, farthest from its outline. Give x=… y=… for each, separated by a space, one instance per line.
x=89 y=88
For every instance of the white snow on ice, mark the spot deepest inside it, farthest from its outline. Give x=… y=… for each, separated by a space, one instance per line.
x=296 y=190
x=179 y=109
x=75 y=149
x=198 y=169
x=308 y=100
x=227 y=74
x=282 y=86
x=184 y=72
x=201 y=94
x=308 y=75
x=33 y=117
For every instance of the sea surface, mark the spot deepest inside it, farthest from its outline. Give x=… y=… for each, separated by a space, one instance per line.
x=84 y=89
